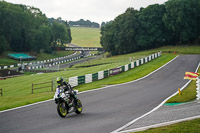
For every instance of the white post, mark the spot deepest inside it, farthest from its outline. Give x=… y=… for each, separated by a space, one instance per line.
x=155 y=55
x=88 y=78
x=146 y=60
x=100 y=75
x=73 y=81
x=137 y=63
x=132 y=64
x=142 y=61
x=150 y=58
x=126 y=67
x=198 y=88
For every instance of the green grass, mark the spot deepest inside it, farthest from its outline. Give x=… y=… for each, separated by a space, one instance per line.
x=192 y=126
x=182 y=49
x=85 y=37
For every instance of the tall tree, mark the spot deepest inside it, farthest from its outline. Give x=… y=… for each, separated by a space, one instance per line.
x=26 y=29
x=152 y=31
x=3 y=44
x=107 y=35
x=182 y=18
x=61 y=34
x=127 y=27
x=118 y=37
x=40 y=39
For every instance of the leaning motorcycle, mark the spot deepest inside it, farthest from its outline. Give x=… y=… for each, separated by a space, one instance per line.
x=67 y=104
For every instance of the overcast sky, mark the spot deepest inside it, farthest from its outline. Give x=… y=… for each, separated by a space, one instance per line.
x=93 y=10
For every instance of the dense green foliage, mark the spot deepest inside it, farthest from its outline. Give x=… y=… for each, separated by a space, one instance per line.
x=173 y=23
x=83 y=23
x=27 y=29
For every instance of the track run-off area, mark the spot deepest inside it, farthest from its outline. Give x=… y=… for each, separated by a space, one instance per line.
x=105 y=109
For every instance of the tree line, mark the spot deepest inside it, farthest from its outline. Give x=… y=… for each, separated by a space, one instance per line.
x=83 y=23
x=176 y=22
x=27 y=29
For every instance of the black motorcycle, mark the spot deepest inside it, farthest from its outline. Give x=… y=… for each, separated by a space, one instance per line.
x=66 y=103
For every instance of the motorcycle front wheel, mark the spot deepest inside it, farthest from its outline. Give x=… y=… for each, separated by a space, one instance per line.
x=79 y=107
x=61 y=109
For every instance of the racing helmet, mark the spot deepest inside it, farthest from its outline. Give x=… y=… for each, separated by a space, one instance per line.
x=59 y=80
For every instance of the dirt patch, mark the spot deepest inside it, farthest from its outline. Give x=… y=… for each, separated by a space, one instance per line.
x=6 y=73
x=91 y=65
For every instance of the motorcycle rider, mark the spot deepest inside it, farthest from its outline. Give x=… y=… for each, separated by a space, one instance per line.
x=66 y=86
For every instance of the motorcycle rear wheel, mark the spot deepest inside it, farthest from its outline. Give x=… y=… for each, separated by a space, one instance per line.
x=61 y=109
x=79 y=107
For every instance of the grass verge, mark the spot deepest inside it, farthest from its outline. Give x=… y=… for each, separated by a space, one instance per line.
x=192 y=126
x=86 y=37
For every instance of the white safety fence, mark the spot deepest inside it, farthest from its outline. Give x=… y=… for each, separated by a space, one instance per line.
x=77 y=80
x=198 y=88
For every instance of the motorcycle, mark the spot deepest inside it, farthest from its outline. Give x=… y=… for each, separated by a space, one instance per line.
x=67 y=104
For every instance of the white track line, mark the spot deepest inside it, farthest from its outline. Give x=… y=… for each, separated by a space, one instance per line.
x=160 y=124
x=25 y=106
x=119 y=130
x=93 y=89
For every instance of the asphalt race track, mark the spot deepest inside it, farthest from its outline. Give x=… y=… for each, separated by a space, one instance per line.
x=70 y=64
x=105 y=110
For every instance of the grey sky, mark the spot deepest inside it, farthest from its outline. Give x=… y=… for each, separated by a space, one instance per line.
x=93 y=10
